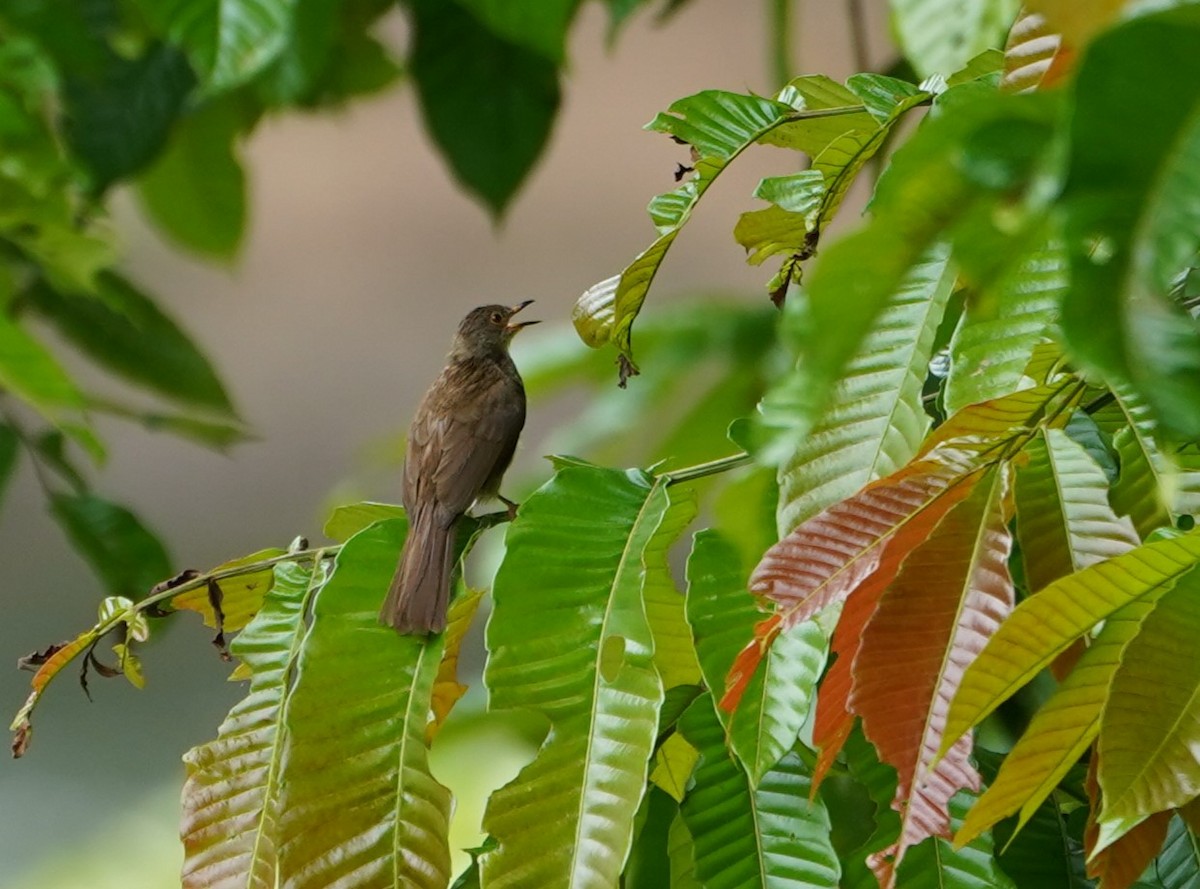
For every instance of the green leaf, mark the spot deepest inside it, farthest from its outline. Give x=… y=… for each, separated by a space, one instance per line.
x=239 y=596
x=126 y=556
x=128 y=334
x=359 y=805
x=1044 y=625
x=29 y=371
x=649 y=866
x=231 y=796
x=1131 y=201
x=541 y=27
x=346 y=521
x=1149 y=485
x=941 y=36
x=770 y=836
x=1147 y=741
x=1178 y=865
x=1065 y=522
x=196 y=190
x=681 y=852
x=116 y=118
x=211 y=433
x=1060 y=732
x=719 y=126
x=488 y=103
x=874 y=421
x=229 y=42
x=674 y=654
x=1001 y=325
x=766 y=723
x=925 y=190
x=569 y=638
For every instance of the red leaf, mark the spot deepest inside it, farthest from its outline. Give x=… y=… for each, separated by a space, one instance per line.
x=1119 y=865
x=950 y=596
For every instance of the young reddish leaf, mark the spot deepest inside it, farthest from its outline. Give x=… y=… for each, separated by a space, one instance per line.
x=1119 y=865
x=950 y=596
x=856 y=544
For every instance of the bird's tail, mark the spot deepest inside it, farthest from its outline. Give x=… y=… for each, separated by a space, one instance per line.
x=420 y=592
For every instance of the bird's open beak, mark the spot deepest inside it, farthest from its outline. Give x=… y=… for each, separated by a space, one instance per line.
x=513 y=328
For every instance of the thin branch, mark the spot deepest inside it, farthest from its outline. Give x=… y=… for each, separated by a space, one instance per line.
x=703 y=470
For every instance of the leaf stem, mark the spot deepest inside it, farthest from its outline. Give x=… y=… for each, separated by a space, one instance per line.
x=702 y=470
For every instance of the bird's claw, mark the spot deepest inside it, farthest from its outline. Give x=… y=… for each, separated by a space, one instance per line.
x=512 y=507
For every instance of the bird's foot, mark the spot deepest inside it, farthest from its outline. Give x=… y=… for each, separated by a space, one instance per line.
x=512 y=507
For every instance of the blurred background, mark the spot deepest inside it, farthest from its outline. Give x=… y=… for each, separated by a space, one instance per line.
x=360 y=258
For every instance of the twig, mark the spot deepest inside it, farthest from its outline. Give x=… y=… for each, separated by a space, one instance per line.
x=702 y=470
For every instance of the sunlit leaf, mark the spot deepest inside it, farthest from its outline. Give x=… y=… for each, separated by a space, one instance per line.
x=874 y=421
x=358 y=804
x=1147 y=742
x=239 y=595
x=346 y=521
x=949 y=597
x=674 y=653
x=569 y=638
x=1034 y=55
x=940 y=36
x=777 y=699
x=446 y=687
x=1044 y=625
x=230 y=815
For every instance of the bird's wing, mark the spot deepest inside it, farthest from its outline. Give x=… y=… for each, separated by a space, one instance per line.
x=460 y=432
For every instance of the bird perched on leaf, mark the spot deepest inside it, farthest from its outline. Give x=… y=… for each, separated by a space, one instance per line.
x=459 y=445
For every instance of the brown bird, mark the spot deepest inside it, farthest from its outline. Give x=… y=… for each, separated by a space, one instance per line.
x=459 y=445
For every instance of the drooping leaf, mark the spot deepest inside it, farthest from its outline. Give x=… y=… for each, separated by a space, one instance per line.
x=1133 y=224
x=21 y=725
x=649 y=866
x=1147 y=741
x=951 y=594
x=940 y=36
x=1118 y=865
x=196 y=190
x=541 y=27
x=231 y=796
x=509 y=95
x=359 y=805
x=999 y=328
x=446 y=687
x=569 y=638
x=856 y=544
x=119 y=548
x=770 y=836
x=777 y=699
x=1060 y=732
x=1065 y=522
x=874 y=421
x=240 y=595
x=1147 y=482
x=29 y=371
x=227 y=41
x=1044 y=625
x=936 y=864
x=127 y=333
x=927 y=188
x=116 y=116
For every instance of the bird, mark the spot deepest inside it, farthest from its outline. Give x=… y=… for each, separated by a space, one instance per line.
x=461 y=441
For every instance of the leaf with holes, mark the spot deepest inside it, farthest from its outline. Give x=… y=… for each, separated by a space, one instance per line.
x=569 y=638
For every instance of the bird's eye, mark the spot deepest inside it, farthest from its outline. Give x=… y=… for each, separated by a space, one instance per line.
x=497 y=317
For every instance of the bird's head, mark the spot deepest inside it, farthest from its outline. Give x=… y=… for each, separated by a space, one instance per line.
x=489 y=328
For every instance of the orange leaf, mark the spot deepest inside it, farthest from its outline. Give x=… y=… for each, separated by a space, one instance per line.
x=446 y=687
x=951 y=595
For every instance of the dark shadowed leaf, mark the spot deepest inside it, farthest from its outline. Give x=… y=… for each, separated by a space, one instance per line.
x=126 y=556
x=488 y=102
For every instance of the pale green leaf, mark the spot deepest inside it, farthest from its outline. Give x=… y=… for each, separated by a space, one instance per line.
x=941 y=36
